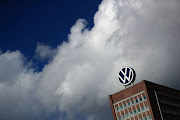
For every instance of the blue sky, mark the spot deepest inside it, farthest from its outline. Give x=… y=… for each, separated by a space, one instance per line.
x=26 y=23
x=59 y=60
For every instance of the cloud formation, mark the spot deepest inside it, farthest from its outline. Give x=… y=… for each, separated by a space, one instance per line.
x=44 y=52
x=142 y=34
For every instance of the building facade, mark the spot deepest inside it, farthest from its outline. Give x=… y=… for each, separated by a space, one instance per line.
x=146 y=101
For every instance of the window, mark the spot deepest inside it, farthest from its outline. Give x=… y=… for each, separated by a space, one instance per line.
x=129 y=104
x=117 y=109
x=121 y=107
x=133 y=102
x=131 y=113
x=149 y=117
x=145 y=118
x=127 y=115
x=143 y=109
x=136 y=100
x=144 y=97
x=135 y=112
x=119 y=117
x=139 y=110
x=140 y=99
x=147 y=108
x=123 y=116
x=125 y=105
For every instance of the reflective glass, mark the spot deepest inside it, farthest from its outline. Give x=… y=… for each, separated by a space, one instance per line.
x=123 y=116
x=128 y=104
x=144 y=97
x=125 y=105
x=131 y=113
x=139 y=110
x=119 y=118
x=149 y=117
x=117 y=108
x=145 y=118
x=143 y=109
x=127 y=115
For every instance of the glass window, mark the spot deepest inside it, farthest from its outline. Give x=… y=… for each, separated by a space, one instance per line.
x=136 y=100
x=119 y=117
x=133 y=102
x=145 y=118
x=143 y=109
x=125 y=105
x=149 y=117
x=121 y=107
x=141 y=119
x=127 y=115
x=123 y=116
x=131 y=113
x=140 y=99
x=139 y=110
x=147 y=108
x=117 y=109
x=144 y=97
x=135 y=112
x=129 y=104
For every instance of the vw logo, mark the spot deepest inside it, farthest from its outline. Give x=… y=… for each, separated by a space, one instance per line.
x=126 y=75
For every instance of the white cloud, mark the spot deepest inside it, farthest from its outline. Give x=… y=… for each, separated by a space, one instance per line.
x=17 y=83
x=11 y=65
x=44 y=51
x=142 y=34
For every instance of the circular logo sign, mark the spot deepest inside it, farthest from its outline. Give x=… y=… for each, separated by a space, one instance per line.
x=127 y=75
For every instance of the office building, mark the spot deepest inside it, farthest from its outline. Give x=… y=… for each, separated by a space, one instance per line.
x=146 y=101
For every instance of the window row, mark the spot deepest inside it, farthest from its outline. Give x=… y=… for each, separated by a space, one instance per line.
x=124 y=105
x=169 y=99
x=124 y=117
x=143 y=108
x=170 y=108
x=170 y=117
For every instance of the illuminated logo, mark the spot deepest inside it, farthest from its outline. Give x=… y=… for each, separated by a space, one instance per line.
x=127 y=75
